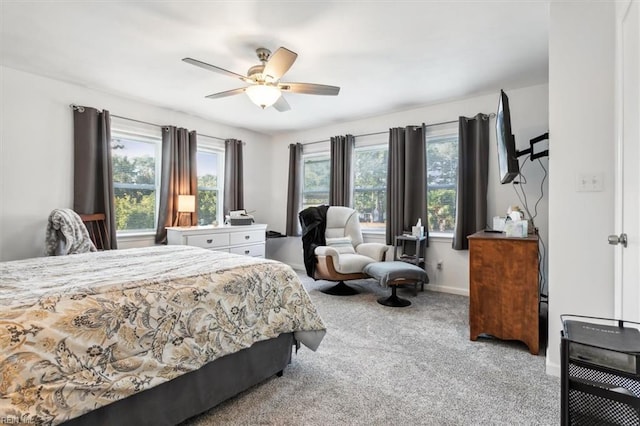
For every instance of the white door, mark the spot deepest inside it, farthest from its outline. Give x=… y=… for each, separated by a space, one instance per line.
x=627 y=259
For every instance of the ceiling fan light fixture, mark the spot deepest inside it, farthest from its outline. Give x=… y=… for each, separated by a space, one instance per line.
x=263 y=95
x=265 y=87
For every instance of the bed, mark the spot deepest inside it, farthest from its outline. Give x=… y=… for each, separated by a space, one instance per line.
x=143 y=336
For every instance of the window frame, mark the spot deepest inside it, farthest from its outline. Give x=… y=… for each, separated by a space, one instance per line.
x=436 y=133
x=143 y=136
x=372 y=144
x=311 y=155
x=217 y=149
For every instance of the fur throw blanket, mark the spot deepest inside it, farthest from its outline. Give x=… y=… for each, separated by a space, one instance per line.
x=67 y=234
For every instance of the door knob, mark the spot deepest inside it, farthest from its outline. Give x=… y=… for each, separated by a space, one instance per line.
x=615 y=240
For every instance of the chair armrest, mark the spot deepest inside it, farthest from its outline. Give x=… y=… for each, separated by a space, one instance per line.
x=326 y=251
x=373 y=250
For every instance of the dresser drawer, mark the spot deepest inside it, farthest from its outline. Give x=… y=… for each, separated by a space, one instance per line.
x=246 y=237
x=255 y=250
x=208 y=240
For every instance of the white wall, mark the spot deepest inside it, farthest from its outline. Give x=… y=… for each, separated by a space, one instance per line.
x=529 y=112
x=36 y=145
x=581 y=120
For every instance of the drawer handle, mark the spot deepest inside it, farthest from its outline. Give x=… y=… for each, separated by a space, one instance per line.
x=209 y=241
x=247 y=251
x=246 y=237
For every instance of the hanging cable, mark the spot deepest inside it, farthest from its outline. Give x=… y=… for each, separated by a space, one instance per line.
x=544 y=248
x=544 y=177
x=523 y=198
x=542 y=253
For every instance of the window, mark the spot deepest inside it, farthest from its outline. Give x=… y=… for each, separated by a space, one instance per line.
x=442 y=177
x=136 y=176
x=370 y=185
x=137 y=160
x=370 y=160
x=209 y=163
x=315 y=188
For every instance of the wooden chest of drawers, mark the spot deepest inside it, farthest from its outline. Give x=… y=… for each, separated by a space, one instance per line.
x=503 y=288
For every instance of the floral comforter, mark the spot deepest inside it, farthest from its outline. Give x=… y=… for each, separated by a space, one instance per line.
x=81 y=331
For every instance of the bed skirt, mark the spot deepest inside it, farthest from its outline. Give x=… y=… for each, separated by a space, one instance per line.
x=196 y=392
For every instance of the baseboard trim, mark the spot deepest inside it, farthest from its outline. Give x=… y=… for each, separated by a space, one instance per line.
x=447 y=289
x=553 y=369
x=297 y=267
x=431 y=287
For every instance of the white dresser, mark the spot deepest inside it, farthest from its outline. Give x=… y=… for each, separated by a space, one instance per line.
x=248 y=240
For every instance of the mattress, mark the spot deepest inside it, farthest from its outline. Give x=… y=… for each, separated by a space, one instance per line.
x=81 y=331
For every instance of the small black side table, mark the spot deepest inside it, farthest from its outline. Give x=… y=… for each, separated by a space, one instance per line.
x=420 y=245
x=419 y=254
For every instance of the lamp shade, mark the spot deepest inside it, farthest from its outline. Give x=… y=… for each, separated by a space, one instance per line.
x=263 y=95
x=187 y=203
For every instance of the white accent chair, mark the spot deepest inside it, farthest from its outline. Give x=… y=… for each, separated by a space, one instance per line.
x=345 y=255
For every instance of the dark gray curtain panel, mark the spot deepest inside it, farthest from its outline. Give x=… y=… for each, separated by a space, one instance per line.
x=178 y=176
x=340 y=177
x=406 y=180
x=294 y=189
x=92 y=168
x=473 y=177
x=233 y=171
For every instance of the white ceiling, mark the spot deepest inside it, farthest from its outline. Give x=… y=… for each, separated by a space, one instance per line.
x=385 y=56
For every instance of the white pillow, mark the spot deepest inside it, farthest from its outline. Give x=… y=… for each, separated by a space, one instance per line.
x=341 y=244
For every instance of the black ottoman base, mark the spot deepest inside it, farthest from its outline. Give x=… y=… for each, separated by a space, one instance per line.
x=340 y=289
x=394 y=301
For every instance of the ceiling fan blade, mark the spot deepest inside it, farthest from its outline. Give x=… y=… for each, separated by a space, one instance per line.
x=310 y=88
x=227 y=93
x=282 y=105
x=213 y=68
x=279 y=63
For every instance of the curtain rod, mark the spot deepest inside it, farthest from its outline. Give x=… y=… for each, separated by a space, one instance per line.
x=81 y=109
x=493 y=114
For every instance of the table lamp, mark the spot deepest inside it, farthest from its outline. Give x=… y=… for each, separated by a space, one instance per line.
x=186 y=204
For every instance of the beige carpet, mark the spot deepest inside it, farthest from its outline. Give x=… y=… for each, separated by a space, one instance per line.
x=398 y=366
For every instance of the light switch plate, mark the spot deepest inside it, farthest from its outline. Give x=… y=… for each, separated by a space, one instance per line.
x=590 y=182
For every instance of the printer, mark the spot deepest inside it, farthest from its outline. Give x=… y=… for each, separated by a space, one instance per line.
x=239 y=217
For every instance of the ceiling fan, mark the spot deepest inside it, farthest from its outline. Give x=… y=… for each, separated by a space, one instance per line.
x=265 y=88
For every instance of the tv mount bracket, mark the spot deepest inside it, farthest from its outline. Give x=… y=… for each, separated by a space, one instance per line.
x=532 y=155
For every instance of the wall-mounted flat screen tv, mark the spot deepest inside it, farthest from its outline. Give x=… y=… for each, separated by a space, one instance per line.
x=507 y=155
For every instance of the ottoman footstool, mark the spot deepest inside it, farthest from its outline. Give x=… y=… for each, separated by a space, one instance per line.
x=393 y=274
